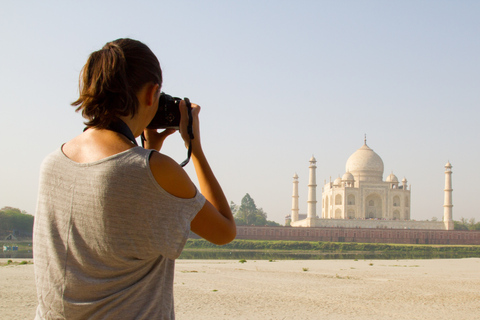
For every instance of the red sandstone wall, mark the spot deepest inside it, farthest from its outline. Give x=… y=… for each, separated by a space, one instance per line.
x=360 y=235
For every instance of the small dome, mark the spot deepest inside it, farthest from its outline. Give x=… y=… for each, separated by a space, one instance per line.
x=365 y=164
x=337 y=182
x=448 y=165
x=392 y=178
x=348 y=177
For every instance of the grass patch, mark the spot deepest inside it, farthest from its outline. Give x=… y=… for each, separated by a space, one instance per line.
x=15 y=263
x=312 y=247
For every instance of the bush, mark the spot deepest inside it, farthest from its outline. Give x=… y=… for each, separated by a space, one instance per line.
x=283 y=245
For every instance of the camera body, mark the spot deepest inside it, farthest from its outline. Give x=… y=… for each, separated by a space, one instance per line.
x=168 y=113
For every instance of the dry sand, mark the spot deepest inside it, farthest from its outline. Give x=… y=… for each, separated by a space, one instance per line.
x=307 y=289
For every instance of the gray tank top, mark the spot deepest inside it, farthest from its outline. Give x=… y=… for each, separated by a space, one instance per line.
x=106 y=237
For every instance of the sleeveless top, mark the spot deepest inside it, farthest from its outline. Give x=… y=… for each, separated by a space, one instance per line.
x=106 y=237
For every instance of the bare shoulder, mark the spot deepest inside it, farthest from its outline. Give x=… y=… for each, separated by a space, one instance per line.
x=171 y=176
x=93 y=145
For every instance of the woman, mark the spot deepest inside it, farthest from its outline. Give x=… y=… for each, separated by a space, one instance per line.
x=112 y=217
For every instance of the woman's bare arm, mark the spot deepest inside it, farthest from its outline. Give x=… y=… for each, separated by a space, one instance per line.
x=214 y=222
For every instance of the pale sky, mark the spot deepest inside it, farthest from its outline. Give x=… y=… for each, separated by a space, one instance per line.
x=278 y=82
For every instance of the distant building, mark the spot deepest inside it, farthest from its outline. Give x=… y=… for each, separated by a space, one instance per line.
x=360 y=198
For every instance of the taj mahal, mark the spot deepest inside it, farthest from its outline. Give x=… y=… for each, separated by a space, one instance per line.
x=362 y=199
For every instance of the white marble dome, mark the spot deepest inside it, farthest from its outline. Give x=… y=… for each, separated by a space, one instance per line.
x=365 y=165
x=348 y=177
x=391 y=178
x=337 y=182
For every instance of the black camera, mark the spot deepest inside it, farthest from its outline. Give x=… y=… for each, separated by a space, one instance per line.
x=168 y=113
x=168 y=117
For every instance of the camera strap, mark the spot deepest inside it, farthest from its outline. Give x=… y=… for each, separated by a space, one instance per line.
x=189 y=131
x=121 y=127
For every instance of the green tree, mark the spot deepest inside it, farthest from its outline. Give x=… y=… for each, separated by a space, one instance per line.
x=473 y=225
x=15 y=220
x=459 y=225
x=233 y=207
x=248 y=213
x=273 y=224
x=466 y=224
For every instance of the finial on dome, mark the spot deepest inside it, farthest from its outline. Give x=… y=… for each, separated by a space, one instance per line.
x=365 y=139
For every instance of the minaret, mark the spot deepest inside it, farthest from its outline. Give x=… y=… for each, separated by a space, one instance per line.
x=312 y=190
x=294 y=216
x=447 y=207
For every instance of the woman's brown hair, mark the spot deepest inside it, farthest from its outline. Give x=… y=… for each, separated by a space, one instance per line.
x=111 y=78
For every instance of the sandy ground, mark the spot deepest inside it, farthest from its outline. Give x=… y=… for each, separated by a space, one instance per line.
x=299 y=289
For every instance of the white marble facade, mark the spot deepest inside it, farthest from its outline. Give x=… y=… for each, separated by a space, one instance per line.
x=361 y=198
x=361 y=192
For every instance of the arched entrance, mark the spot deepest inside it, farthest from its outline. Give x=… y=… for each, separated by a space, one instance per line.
x=396 y=201
x=351 y=200
x=351 y=214
x=396 y=215
x=373 y=207
x=338 y=214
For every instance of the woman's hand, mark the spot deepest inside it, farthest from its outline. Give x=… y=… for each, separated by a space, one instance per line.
x=184 y=125
x=155 y=139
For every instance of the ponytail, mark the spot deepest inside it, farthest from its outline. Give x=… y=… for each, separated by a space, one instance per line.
x=111 y=78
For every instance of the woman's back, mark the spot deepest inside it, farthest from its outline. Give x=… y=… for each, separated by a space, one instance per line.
x=107 y=234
